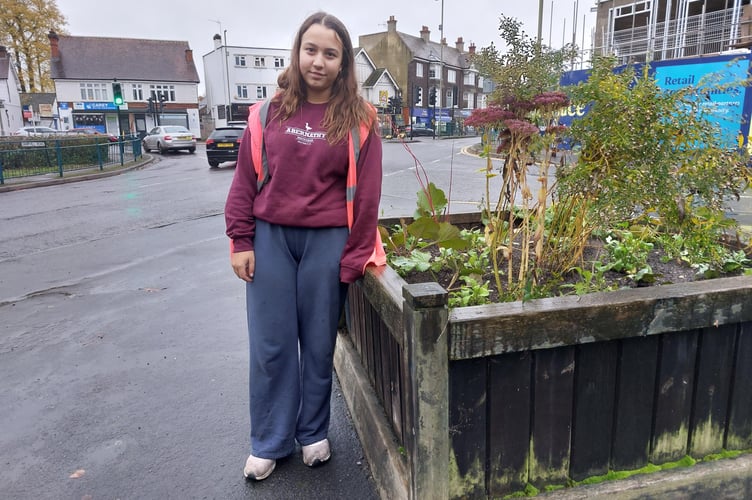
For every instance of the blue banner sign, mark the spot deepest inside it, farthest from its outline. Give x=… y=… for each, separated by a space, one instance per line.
x=95 y=106
x=719 y=79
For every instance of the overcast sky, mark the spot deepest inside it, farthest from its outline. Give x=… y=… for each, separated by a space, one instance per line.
x=272 y=23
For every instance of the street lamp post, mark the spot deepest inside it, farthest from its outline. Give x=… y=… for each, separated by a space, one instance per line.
x=2 y=127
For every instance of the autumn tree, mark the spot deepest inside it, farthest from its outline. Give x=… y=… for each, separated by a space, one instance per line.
x=24 y=25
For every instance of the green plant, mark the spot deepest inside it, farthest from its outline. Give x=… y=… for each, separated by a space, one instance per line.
x=628 y=254
x=472 y=293
x=650 y=170
x=591 y=280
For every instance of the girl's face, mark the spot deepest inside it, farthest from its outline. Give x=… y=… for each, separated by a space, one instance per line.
x=320 y=61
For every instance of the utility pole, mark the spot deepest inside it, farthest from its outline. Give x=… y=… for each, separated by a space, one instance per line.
x=540 y=22
x=441 y=68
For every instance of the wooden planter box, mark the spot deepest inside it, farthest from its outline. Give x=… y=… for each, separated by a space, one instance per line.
x=481 y=401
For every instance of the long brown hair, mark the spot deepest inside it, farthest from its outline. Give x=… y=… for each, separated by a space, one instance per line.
x=347 y=109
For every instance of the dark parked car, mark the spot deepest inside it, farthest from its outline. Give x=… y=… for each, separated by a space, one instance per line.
x=417 y=130
x=223 y=145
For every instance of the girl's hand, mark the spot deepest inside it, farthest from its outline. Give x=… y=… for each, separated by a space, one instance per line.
x=244 y=264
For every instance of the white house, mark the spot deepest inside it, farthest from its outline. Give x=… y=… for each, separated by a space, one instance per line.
x=158 y=79
x=237 y=77
x=11 y=116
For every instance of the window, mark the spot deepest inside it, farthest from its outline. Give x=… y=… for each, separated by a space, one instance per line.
x=259 y=62
x=239 y=60
x=242 y=91
x=279 y=62
x=469 y=78
x=452 y=76
x=419 y=70
x=158 y=90
x=467 y=100
x=138 y=92
x=434 y=70
x=261 y=92
x=94 y=91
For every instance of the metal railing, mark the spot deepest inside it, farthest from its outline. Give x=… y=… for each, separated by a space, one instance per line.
x=710 y=33
x=56 y=156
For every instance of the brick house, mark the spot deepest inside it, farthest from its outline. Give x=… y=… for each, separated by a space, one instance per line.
x=421 y=67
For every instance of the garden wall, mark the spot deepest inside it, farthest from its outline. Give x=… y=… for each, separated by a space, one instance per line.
x=480 y=402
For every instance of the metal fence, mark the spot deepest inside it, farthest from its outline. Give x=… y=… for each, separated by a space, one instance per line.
x=54 y=157
x=710 y=33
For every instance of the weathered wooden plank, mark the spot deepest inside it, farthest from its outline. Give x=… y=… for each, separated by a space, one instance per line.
x=509 y=394
x=594 y=388
x=715 y=361
x=371 y=329
x=383 y=287
x=467 y=428
x=425 y=319
x=551 y=415
x=544 y=323
x=355 y=318
x=383 y=366
x=739 y=435
x=637 y=369
x=676 y=371
x=397 y=408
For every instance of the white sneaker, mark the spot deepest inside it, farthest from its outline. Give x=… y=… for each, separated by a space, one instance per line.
x=316 y=453
x=258 y=468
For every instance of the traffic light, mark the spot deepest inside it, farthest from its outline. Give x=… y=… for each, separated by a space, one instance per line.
x=117 y=94
x=418 y=96
x=390 y=105
x=432 y=96
x=397 y=104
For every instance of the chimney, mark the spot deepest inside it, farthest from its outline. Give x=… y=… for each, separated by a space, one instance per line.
x=471 y=49
x=425 y=34
x=217 y=41
x=54 y=48
x=391 y=25
x=189 y=56
x=460 y=45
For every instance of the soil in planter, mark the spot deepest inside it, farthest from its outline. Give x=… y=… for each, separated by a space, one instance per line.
x=664 y=272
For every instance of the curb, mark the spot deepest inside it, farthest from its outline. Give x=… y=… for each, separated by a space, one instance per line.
x=388 y=467
x=20 y=184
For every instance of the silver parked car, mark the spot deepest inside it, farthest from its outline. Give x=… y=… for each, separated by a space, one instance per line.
x=169 y=138
x=30 y=131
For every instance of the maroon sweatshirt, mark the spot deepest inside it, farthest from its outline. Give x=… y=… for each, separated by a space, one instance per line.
x=306 y=186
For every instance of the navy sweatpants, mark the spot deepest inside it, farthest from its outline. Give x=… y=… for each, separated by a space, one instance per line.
x=293 y=305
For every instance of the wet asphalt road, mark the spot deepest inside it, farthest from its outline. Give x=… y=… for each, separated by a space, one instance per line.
x=123 y=352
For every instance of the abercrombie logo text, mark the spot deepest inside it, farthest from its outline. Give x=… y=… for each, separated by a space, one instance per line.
x=305 y=133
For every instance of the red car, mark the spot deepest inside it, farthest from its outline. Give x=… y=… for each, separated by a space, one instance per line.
x=91 y=131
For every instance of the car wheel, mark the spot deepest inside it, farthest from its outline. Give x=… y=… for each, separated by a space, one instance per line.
x=162 y=148
x=213 y=163
x=145 y=146
x=191 y=150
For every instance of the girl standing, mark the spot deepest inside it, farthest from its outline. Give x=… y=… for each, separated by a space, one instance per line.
x=301 y=215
